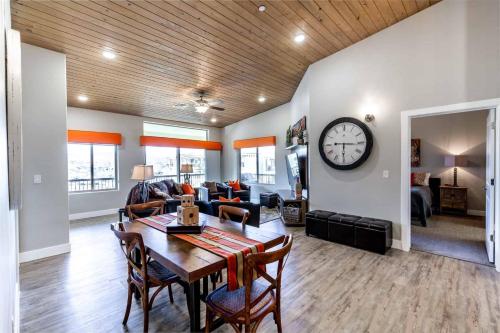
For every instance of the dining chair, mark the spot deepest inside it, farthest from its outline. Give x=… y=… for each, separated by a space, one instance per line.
x=143 y=273
x=248 y=305
x=226 y=212
x=151 y=208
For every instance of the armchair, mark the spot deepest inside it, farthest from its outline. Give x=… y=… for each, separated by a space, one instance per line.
x=244 y=194
x=208 y=192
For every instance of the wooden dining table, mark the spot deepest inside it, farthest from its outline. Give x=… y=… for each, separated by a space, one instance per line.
x=194 y=264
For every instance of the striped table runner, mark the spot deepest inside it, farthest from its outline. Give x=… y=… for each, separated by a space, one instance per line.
x=228 y=245
x=158 y=222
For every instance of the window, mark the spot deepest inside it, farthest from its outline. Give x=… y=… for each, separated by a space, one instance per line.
x=167 y=161
x=257 y=165
x=91 y=167
x=164 y=161
x=169 y=131
x=195 y=157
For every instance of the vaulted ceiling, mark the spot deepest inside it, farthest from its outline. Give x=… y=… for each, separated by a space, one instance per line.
x=166 y=50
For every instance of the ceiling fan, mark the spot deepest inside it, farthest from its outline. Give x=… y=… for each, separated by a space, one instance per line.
x=201 y=105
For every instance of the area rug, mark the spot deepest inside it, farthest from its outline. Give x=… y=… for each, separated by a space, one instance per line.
x=452 y=236
x=269 y=214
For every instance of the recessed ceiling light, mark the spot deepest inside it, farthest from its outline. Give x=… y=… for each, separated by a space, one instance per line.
x=108 y=54
x=262 y=8
x=83 y=98
x=299 y=38
x=261 y=99
x=213 y=120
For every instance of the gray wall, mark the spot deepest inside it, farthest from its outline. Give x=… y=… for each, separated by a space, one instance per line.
x=456 y=134
x=8 y=219
x=270 y=123
x=130 y=153
x=443 y=55
x=44 y=215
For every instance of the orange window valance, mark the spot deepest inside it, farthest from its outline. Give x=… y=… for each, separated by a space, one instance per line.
x=255 y=142
x=75 y=136
x=179 y=143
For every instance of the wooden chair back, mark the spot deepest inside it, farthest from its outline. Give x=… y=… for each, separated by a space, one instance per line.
x=129 y=241
x=254 y=264
x=225 y=212
x=156 y=208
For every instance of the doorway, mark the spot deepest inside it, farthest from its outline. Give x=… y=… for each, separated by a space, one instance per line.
x=482 y=230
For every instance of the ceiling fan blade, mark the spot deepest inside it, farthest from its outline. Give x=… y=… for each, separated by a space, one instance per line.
x=216 y=108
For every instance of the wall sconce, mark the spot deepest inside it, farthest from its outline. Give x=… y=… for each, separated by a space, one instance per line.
x=369 y=117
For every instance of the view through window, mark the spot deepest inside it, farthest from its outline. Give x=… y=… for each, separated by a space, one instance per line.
x=91 y=167
x=258 y=165
x=167 y=161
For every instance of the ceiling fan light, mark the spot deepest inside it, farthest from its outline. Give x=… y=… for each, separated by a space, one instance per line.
x=201 y=108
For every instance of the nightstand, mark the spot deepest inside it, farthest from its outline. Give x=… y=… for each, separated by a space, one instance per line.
x=453 y=199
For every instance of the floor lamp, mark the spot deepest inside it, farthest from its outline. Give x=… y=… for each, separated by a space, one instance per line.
x=142 y=173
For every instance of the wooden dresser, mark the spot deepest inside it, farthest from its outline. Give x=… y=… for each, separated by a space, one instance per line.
x=453 y=199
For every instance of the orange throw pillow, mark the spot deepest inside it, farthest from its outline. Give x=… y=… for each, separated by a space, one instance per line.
x=188 y=189
x=222 y=199
x=235 y=185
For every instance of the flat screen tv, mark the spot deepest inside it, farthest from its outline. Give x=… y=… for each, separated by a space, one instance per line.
x=294 y=169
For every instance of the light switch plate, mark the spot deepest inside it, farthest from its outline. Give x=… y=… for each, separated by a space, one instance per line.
x=37 y=179
x=385 y=173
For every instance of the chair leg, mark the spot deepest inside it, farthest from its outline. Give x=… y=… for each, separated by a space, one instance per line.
x=145 y=308
x=129 y=303
x=277 y=318
x=209 y=317
x=213 y=278
x=170 y=295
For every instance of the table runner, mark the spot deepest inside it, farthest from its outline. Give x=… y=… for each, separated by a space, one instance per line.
x=231 y=246
x=158 y=222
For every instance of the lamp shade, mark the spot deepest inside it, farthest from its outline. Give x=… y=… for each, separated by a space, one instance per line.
x=186 y=168
x=455 y=160
x=142 y=172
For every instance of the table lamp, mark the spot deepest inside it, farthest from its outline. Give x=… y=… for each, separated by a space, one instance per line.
x=142 y=173
x=186 y=169
x=455 y=161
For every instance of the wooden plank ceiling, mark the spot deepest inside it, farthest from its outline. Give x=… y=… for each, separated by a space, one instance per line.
x=166 y=50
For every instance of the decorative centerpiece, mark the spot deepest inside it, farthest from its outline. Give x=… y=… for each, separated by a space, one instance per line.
x=187 y=212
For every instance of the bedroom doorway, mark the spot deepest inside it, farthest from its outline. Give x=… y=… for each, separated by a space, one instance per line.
x=448 y=176
x=450 y=154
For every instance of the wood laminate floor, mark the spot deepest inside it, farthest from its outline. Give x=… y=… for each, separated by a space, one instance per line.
x=326 y=288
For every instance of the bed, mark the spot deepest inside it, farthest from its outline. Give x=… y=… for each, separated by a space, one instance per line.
x=425 y=200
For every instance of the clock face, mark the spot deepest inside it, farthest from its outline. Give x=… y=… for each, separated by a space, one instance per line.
x=345 y=143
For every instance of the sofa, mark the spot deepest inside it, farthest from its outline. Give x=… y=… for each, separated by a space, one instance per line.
x=212 y=208
x=208 y=193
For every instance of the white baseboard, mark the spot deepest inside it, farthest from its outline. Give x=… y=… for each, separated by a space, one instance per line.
x=44 y=252
x=475 y=212
x=86 y=215
x=396 y=244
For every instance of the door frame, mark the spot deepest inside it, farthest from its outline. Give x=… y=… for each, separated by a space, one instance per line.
x=406 y=117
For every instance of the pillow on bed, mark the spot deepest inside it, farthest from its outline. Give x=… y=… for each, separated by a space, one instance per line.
x=421 y=178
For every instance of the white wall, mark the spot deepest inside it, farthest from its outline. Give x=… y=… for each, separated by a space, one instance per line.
x=9 y=287
x=455 y=134
x=44 y=215
x=445 y=54
x=130 y=153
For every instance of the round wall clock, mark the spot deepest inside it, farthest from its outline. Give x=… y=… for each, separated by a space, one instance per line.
x=345 y=143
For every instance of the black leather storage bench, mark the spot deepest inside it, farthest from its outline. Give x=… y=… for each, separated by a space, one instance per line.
x=361 y=232
x=373 y=234
x=341 y=228
x=269 y=199
x=317 y=223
